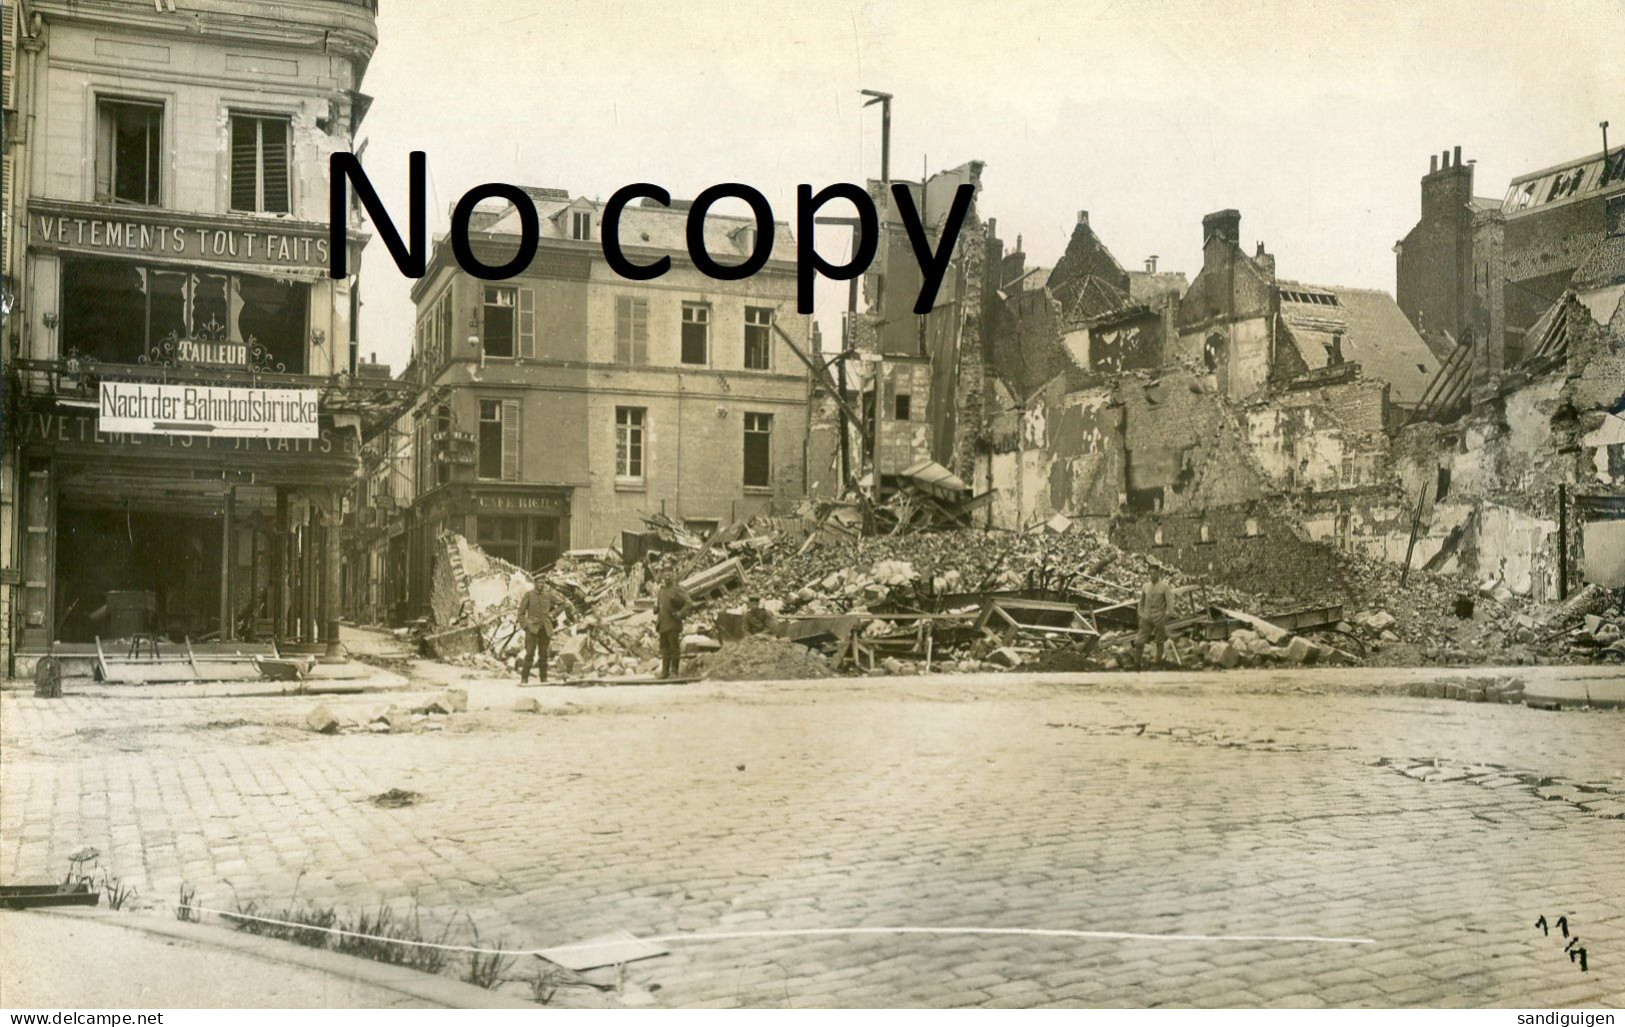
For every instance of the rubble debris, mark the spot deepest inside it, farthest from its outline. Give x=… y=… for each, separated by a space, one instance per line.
x=526 y=704
x=836 y=583
x=764 y=658
x=395 y=798
x=322 y=721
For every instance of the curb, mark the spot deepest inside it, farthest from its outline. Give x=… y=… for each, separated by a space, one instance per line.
x=433 y=988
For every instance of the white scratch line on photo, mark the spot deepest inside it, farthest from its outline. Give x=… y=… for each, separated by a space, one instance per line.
x=803 y=932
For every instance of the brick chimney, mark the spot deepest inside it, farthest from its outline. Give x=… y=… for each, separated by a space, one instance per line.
x=1225 y=224
x=1447 y=188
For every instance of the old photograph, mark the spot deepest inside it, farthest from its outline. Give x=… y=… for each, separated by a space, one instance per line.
x=846 y=505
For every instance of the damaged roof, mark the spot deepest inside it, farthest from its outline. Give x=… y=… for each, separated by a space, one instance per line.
x=1376 y=334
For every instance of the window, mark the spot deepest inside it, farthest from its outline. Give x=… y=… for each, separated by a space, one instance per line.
x=758 y=450
x=259 y=163
x=629 y=444
x=499 y=440
x=498 y=319
x=580 y=224
x=759 y=338
x=901 y=406
x=499 y=537
x=631 y=330
x=696 y=333
x=121 y=312
x=129 y=136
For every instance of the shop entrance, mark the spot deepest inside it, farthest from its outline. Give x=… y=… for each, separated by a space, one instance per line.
x=122 y=572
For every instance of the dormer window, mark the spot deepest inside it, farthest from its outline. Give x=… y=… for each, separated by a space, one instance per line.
x=746 y=238
x=581 y=225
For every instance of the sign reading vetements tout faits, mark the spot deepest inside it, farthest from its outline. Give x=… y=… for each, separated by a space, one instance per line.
x=162 y=409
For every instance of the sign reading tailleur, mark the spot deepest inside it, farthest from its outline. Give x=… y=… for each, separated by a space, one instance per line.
x=412 y=258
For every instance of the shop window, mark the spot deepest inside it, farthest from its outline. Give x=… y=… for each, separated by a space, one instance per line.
x=124 y=313
x=696 y=333
x=259 y=163
x=499 y=537
x=631 y=330
x=758 y=450
x=129 y=139
x=758 y=338
x=580 y=224
x=498 y=318
x=902 y=406
x=499 y=440
x=629 y=445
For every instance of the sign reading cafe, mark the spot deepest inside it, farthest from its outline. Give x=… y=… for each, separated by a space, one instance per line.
x=162 y=409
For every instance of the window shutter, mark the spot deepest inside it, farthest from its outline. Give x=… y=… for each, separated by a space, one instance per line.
x=527 y=324
x=623 y=329
x=244 y=164
x=274 y=152
x=510 y=440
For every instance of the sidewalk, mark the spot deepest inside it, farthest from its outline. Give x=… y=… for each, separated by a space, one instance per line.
x=99 y=959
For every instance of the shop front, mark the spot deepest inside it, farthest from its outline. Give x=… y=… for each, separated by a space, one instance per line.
x=526 y=525
x=177 y=537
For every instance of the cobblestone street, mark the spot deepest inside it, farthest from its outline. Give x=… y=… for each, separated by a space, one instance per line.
x=1174 y=807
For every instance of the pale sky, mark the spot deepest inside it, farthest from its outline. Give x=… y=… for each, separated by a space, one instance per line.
x=1314 y=119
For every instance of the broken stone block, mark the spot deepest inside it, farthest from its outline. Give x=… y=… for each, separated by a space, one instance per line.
x=1607 y=634
x=322 y=721
x=439 y=704
x=1592 y=623
x=1380 y=621
x=892 y=665
x=1004 y=657
x=700 y=644
x=526 y=704
x=1301 y=650
x=1388 y=636
x=456 y=700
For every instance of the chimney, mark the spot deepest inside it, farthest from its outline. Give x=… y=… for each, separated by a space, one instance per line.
x=1433 y=164
x=1455 y=159
x=1083 y=219
x=1151 y=264
x=1263 y=259
x=1444 y=159
x=1226 y=224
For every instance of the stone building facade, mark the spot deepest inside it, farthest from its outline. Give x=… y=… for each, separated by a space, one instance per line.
x=168 y=238
x=560 y=407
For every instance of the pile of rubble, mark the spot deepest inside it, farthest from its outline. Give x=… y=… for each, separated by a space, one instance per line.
x=394 y=719
x=811 y=595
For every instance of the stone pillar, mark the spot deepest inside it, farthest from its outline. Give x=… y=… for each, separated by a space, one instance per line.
x=228 y=560
x=332 y=577
x=279 y=568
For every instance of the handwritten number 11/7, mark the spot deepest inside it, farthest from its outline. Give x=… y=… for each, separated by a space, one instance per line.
x=1576 y=952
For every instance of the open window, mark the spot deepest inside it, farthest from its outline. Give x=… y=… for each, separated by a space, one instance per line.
x=696 y=333
x=758 y=338
x=129 y=142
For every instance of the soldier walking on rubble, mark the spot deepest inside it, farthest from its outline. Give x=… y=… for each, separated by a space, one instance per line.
x=1156 y=602
x=536 y=618
x=670 y=605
